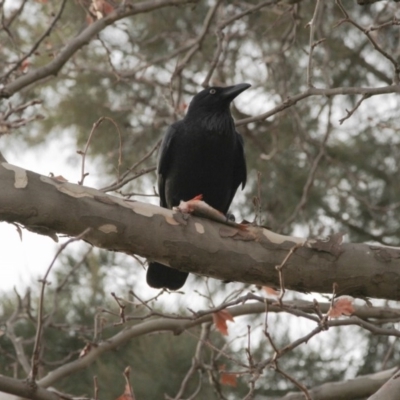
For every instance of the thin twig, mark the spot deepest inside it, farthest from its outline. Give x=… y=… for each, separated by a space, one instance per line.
x=312 y=44
x=197 y=361
x=40 y=319
x=121 y=309
x=38 y=42
x=83 y=153
x=294 y=381
x=96 y=388
x=127 y=176
x=310 y=179
x=292 y=100
x=280 y=267
x=352 y=111
x=371 y=39
x=196 y=44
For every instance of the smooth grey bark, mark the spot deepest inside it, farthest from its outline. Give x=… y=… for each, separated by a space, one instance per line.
x=390 y=390
x=358 y=387
x=48 y=206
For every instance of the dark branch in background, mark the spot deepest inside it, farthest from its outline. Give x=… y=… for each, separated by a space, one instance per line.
x=312 y=43
x=40 y=318
x=15 y=340
x=7 y=125
x=178 y=325
x=354 y=109
x=130 y=174
x=84 y=152
x=291 y=101
x=196 y=44
x=290 y=378
x=7 y=23
x=197 y=363
x=37 y=44
x=193 y=47
x=371 y=39
x=311 y=175
x=220 y=35
x=53 y=67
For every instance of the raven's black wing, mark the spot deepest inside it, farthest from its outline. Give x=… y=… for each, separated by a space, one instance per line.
x=240 y=163
x=239 y=167
x=159 y=275
x=164 y=161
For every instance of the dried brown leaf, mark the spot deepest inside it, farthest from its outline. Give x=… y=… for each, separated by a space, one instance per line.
x=220 y=318
x=342 y=306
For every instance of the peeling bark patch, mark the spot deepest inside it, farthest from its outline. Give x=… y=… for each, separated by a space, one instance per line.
x=171 y=220
x=74 y=191
x=105 y=200
x=236 y=234
x=21 y=177
x=279 y=239
x=332 y=244
x=142 y=210
x=199 y=227
x=180 y=219
x=226 y=232
x=70 y=189
x=385 y=254
x=108 y=228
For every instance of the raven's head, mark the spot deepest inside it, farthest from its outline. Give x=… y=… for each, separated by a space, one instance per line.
x=215 y=99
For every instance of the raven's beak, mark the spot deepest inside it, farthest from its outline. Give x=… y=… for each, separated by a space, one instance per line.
x=231 y=92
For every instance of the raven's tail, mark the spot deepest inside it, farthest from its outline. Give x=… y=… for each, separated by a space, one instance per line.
x=160 y=276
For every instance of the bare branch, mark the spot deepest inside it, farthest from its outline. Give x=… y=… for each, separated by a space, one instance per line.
x=130 y=175
x=84 y=152
x=53 y=67
x=313 y=170
x=291 y=101
x=312 y=44
x=372 y=41
x=23 y=389
x=40 y=321
x=37 y=44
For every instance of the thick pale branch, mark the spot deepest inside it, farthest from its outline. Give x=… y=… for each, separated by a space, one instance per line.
x=196 y=245
x=176 y=326
x=390 y=390
x=25 y=390
x=352 y=388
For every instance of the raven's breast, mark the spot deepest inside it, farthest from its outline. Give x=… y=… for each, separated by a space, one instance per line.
x=202 y=163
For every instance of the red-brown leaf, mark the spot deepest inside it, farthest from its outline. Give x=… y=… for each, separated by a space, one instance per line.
x=270 y=291
x=226 y=378
x=342 y=306
x=220 y=318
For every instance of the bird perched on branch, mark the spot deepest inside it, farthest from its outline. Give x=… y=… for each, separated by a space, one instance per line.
x=202 y=154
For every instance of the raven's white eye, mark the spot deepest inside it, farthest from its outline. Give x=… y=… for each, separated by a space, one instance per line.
x=212 y=91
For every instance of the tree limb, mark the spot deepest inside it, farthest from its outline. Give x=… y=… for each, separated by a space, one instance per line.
x=48 y=206
x=53 y=67
x=360 y=386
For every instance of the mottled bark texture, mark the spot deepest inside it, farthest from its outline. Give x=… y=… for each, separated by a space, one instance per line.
x=50 y=207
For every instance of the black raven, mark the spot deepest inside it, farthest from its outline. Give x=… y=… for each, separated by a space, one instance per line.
x=202 y=154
